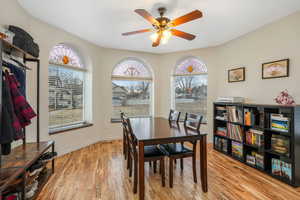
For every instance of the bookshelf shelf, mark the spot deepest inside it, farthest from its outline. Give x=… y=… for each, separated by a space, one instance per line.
x=254 y=147
x=259 y=117
x=282 y=156
x=278 y=132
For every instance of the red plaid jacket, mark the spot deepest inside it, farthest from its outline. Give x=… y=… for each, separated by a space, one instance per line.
x=23 y=110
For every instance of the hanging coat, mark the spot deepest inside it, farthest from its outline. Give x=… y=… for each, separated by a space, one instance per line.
x=23 y=110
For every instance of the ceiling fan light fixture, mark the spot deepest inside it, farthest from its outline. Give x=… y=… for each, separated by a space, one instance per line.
x=154 y=36
x=166 y=36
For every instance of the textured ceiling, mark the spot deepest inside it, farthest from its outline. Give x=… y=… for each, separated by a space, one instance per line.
x=102 y=21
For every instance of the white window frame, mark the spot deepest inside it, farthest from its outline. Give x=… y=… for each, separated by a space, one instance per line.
x=84 y=122
x=174 y=75
x=129 y=78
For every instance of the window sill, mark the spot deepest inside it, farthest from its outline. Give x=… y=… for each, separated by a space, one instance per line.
x=69 y=128
x=115 y=120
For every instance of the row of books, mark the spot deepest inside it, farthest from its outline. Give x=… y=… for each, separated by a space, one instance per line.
x=280 y=144
x=222 y=131
x=249 y=117
x=237 y=149
x=279 y=123
x=282 y=169
x=255 y=159
x=221 y=113
x=235 y=114
x=235 y=132
x=221 y=144
x=255 y=137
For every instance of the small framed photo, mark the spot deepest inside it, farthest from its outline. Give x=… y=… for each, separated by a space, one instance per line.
x=275 y=69
x=236 y=75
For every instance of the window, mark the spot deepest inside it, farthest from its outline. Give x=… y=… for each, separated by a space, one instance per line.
x=66 y=79
x=131 y=89
x=190 y=87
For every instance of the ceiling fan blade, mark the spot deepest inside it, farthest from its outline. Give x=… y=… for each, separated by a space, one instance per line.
x=157 y=42
x=147 y=16
x=186 y=18
x=182 y=34
x=136 y=32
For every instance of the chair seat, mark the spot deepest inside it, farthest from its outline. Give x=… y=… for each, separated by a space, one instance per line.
x=173 y=149
x=152 y=151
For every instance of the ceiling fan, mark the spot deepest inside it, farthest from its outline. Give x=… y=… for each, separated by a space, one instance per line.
x=163 y=26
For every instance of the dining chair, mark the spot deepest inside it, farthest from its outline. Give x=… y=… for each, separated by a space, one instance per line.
x=180 y=151
x=174 y=116
x=151 y=153
x=125 y=138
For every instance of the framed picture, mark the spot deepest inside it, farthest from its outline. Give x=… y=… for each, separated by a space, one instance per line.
x=236 y=75
x=275 y=69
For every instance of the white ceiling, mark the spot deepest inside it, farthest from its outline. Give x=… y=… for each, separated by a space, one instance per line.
x=103 y=21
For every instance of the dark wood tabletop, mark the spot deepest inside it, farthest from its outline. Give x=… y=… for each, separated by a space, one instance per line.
x=153 y=131
x=159 y=130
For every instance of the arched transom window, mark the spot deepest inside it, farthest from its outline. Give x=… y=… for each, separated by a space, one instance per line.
x=131 y=88
x=66 y=79
x=190 y=87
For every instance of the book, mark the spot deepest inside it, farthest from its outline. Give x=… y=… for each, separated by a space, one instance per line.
x=221 y=144
x=279 y=122
x=237 y=149
x=250 y=159
x=280 y=144
x=282 y=169
x=259 y=161
x=255 y=137
x=235 y=132
x=221 y=131
x=234 y=114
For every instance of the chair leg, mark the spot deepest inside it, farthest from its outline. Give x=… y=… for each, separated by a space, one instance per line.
x=194 y=168
x=128 y=158
x=135 y=174
x=150 y=163
x=154 y=166
x=130 y=165
x=162 y=171
x=181 y=164
x=171 y=172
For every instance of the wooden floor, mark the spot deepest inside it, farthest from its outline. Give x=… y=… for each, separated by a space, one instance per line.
x=98 y=172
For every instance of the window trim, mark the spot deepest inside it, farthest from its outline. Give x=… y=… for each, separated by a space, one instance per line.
x=70 y=126
x=69 y=66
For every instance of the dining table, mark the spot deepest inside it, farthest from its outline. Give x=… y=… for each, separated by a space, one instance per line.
x=158 y=130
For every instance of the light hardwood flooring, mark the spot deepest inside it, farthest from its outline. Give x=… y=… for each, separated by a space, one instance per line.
x=98 y=172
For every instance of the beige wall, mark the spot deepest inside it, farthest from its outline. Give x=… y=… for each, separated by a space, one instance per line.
x=275 y=41
x=100 y=63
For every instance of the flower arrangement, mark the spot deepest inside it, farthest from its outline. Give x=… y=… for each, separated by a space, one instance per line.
x=284 y=98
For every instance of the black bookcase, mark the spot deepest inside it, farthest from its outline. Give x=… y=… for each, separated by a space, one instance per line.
x=261 y=121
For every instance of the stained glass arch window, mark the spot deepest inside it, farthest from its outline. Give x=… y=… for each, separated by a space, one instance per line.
x=190 y=66
x=131 y=68
x=62 y=54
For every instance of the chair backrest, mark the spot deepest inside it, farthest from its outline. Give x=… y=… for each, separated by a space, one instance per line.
x=193 y=121
x=174 y=116
x=130 y=136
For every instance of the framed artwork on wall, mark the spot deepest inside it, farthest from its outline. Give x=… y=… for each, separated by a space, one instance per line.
x=236 y=75
x=275 y=69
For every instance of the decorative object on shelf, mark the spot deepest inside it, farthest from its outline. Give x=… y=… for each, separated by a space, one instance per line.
x=275 y=69
x=284 y=98
x=236 y=75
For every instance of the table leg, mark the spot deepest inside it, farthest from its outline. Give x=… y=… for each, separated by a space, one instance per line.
x=203 y=163
x=141 y=181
